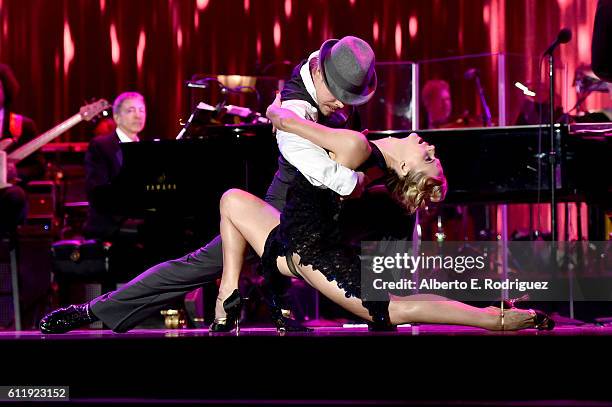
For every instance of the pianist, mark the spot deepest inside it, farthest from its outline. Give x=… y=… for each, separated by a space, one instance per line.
x=103 y=162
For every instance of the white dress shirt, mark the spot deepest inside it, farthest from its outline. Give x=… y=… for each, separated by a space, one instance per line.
x=311 y=160
x=123 y=138
x=1 y=122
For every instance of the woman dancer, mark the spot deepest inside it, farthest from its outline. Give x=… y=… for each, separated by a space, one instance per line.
x=304 y=240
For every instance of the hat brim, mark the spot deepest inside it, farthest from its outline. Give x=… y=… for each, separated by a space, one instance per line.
x=344 y=96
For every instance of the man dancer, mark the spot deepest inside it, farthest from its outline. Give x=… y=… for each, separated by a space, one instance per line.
x=340 y=74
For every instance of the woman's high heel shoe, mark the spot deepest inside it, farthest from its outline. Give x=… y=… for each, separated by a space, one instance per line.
x=511 y=303
x=541 y=321
x=232 y=307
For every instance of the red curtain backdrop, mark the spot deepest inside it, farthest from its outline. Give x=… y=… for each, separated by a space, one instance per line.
x=67 y=51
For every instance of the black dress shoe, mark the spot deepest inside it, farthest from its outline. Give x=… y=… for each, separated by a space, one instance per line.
x=66 y=319
x=285 y=323
x=281 y=315
x=381 y=326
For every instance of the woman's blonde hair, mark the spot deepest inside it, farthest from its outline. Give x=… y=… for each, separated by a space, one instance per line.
x=416 y=190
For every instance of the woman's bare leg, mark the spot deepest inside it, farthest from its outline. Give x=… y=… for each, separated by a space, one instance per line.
x=432 y=309
x=244 y=219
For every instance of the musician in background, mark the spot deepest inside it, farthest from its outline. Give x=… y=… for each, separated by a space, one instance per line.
x=438 y=104
x=436 y=96
x=16 y=130
x=103 y=161
x=602 y=41
x=536 y=109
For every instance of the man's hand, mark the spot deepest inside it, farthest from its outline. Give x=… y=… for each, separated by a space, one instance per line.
x=362 y=182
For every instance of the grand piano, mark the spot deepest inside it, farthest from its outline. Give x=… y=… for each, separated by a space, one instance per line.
x=510 y=164
x=178 y=183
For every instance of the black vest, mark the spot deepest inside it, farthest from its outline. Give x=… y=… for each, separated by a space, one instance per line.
x=295 y=89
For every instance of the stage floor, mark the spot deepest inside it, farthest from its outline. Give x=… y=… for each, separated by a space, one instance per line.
x=327 y=331
x=330 y=365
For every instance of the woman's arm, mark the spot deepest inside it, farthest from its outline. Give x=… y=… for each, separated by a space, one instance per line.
x=350 y=148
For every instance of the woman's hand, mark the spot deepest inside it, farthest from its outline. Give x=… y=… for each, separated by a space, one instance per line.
x=362 y=182
x=279 y=116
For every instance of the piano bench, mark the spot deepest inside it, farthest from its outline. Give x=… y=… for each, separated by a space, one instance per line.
x=81 y=259
x=81 y=271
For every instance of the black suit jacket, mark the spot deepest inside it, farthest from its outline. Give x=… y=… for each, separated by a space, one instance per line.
x=102 y=163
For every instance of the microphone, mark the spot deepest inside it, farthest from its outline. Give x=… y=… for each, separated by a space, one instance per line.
x=564 y=36
x=471 y=74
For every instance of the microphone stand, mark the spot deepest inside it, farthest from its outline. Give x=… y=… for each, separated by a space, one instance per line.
x=486 y=114
x=552 y=155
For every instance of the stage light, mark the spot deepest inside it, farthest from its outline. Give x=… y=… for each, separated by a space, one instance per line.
x=288 y=8
x=413 y=26
x=277 y=34
x=142 y=43
x=68 y=48
x=375 y=32
x=398 y=39
x=115 y=48
x=202 y=4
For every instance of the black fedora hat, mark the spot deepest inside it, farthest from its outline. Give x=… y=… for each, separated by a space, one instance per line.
x=348 y=69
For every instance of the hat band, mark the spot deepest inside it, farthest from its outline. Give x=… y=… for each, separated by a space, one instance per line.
x=332 y=72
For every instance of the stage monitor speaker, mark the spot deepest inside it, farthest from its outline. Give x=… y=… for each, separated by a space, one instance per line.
x=41 y=199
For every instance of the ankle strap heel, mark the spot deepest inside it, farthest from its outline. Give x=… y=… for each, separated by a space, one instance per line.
x=233 y=308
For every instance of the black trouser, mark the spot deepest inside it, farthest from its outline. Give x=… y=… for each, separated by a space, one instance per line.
x=12 y=208
x=163 y=283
